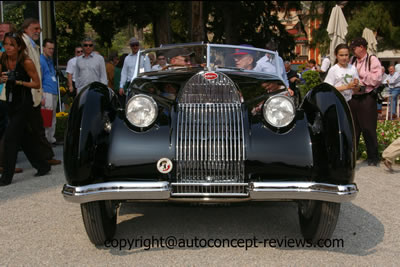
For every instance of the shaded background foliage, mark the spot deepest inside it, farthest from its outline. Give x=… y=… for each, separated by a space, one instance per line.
x=171 y=22
x=382 y=17
x=70 y=29
x=112 y=23
x=250 y=23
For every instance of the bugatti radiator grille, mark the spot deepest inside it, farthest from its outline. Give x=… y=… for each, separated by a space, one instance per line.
x=210 y=148
x=210 y=143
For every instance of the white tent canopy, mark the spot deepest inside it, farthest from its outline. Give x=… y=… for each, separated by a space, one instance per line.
x=372 y=43
x=337 y=30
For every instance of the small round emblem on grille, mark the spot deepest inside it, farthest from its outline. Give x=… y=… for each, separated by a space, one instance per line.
x=164 y=165
x=210 y=75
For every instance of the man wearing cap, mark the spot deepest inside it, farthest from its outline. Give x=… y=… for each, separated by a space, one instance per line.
x=128 y=68
x=244 y=58
x=90 y=67
x=179 y=57
x=363 y=103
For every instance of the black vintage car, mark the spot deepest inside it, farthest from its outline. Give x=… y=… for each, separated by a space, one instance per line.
x=216 y=124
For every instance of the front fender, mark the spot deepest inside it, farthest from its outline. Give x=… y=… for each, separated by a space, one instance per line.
x=86 y=138
x=332 y=131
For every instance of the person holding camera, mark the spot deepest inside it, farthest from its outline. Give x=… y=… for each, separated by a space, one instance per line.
x=363 y=103
x=19 y=74
x=4 y=28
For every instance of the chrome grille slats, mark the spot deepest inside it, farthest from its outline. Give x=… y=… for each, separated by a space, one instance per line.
x=210 y=150
x=214 y=189
x=220 y=142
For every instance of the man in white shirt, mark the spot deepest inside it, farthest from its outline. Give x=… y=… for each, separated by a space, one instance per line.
x=71 y=67
x=325 y=64
x=393 y=80
x=129 y=65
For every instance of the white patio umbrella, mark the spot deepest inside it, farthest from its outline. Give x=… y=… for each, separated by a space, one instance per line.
x=372 y=43
x=337 y=30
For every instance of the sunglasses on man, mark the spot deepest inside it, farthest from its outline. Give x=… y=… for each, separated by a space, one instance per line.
x=87 y=45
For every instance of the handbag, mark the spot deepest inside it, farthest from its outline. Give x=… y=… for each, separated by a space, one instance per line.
x=377 y=93
x=47 y=115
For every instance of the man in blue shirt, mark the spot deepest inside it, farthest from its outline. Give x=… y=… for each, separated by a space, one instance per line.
x=50 y=86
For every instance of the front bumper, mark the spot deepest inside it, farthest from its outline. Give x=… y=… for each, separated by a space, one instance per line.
x=255 y=191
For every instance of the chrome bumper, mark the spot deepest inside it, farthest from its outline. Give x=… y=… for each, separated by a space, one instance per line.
x=257 y=191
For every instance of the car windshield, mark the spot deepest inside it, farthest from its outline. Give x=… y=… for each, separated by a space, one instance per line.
x=209 y=57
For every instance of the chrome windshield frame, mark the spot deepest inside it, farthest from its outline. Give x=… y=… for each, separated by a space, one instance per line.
x=208 y=48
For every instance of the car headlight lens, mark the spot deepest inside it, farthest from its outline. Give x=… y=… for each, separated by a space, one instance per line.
x=279 y=111
x=141 y=110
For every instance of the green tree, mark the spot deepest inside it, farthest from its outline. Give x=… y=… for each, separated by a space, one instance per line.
x=377 y=17
x=249 y=22
x=172 y=22
x=70 y=28
x=311 y=79
x=14 y=12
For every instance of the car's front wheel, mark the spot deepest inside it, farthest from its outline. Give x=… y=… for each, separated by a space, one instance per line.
x=318 y=219
x=100 y=220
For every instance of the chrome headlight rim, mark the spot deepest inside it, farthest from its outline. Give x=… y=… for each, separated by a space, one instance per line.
x=266 y=105
x=152 y=102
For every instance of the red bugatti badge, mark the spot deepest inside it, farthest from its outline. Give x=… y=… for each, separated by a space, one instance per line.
x=164 y=165
x=210 y=76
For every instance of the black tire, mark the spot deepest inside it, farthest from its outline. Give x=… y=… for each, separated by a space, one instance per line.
x=318 y=219
x=100 y=220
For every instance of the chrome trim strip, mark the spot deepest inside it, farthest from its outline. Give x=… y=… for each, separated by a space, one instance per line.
x=302 y=190
x=259 y=191
x=117 y=191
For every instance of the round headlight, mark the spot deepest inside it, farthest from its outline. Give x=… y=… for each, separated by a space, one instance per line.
x=141 y=110
x=279 y=111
